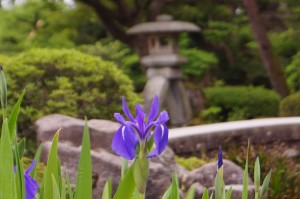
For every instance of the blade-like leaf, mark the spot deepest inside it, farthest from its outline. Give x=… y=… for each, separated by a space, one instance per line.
x=257 y=177
x=265 y=184
x=19 y=171
x=37 y=159
x=173 y=191
x=51 y=169
x=70 y=192
x=124 y=168
x=63 y=194
x=7 y=176
x=245 y=180
x=21 y=147
x=56 y=194
x=107 y=190
x=205 y=194
x=191 y=193
x=219 y=184
x=127 y=186
x=12 y=122
x=3 y=93
x=84 y=175
x=228 y=193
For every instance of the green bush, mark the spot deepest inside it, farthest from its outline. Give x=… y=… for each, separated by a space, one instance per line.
x=237 y=103
x=66 y=82
x=292 y=72
x=290 y=106
x=122 y=55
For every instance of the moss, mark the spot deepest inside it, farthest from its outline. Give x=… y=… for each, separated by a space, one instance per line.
x=190 y=163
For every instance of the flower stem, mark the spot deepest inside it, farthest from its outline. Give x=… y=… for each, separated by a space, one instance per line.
x=142 y=195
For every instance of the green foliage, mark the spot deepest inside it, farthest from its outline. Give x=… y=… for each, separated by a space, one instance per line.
x=211 y=114
x=120 y=54
x=44 y=23
x=238 y=103
x=199 y=63
x=67 y=82
x=84 y=177
x=173 y=190
x=190 y=163
x=290 y=106
x=292 y=72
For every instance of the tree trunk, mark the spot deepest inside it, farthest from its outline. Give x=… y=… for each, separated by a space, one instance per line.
x=270 y=63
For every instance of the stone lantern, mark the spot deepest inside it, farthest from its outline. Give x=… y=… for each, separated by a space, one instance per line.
x=162 y=62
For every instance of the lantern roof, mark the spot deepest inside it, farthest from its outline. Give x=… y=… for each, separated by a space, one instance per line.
x=163 y=24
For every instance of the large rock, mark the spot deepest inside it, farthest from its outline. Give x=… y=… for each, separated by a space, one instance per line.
x=205 y=175
x=107 y=165
x=101 y=131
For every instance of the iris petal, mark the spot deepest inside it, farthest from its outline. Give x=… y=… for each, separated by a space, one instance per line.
x=31 y=185
x=120 y=118
x=160 y=136
x=124 y=142
x=163 y=117
x=126 y=110
x=140 y=118
x=154 y=110
x=220 y=158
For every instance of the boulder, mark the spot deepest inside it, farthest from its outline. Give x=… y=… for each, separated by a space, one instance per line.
x=101 y=131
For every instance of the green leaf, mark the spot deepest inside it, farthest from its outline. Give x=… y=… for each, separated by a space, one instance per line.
x=205 y=194
x=257 y=177
x=63 y=194
x=56 y=194
x=84 y=175
x=19 y=175
x=173 y=191
x=245 y=180
x=52 y=169
x=127 y=186
x=265 y=184
x=19 y=179
x=12 y=122
x=7 y=176
x=150 y=143
x=107 y=190
x=191 y=193
x=3 y=93
x=219 y=184
x=228 y=193
x=21 y=147
x=70 y=192
x=37 y=160
x=124 y=168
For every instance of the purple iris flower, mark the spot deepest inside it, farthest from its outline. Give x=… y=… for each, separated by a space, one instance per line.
x=220 y=158
x=139 y=130
x=31 y=185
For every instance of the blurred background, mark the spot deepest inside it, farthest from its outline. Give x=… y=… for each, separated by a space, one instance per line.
x=76 y=59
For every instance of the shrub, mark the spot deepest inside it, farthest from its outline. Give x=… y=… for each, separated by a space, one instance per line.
x=292 y=72
x=122 y=55
x=238 y=103
x=67 y=82
x=290 y=106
